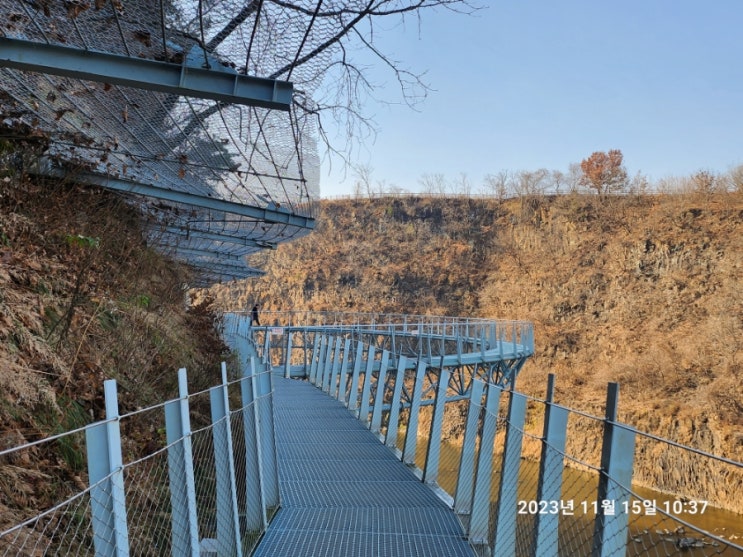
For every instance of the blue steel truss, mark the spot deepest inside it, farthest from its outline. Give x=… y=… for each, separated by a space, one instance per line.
x=181 y=107
x=216 y=82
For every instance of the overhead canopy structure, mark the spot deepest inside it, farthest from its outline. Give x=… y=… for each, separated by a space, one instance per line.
x=188 y=107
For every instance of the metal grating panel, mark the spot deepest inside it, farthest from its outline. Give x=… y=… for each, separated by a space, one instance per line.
x=378 y=521
x=299 y=470
x=344 y=493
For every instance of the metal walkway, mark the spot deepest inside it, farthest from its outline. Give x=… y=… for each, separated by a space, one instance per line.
x=343 y=493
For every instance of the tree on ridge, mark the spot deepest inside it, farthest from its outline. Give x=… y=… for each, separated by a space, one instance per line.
x=604 y=172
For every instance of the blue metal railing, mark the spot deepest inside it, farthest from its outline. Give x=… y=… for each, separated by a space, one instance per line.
x=526 y=476
x=551 y=497
x=205 y=490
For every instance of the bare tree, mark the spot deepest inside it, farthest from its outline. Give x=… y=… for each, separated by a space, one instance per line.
x=574 y=177
x=462 y=185
x=639 y=185
x=499 y=185
x=705 y=182
x=319 y=49
x=531 y=182
x=433 y=183
x=363 y=184
x=669 y=185
x=735 y=179
x=557 y=179
x=395 y=190
x=327 y=63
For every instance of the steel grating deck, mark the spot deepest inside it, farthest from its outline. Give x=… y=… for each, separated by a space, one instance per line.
x=345 y=494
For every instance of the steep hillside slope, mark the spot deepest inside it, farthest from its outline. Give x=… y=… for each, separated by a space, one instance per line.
x=645 y=291
x=82 y=300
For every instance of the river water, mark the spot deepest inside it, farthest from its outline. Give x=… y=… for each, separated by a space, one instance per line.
x=652 y=532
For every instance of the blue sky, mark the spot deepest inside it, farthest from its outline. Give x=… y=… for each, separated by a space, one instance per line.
x=531 y=84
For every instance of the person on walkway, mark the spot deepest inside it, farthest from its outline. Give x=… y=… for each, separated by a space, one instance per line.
x=254 y=316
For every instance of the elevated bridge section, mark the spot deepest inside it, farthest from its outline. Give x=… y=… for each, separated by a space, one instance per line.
x=493 y=351
x=383 y=435
x=342 y=491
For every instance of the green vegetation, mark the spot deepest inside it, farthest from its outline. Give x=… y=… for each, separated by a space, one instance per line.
x=82 y=241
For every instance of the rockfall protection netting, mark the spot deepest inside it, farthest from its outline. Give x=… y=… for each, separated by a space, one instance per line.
x=253 y=156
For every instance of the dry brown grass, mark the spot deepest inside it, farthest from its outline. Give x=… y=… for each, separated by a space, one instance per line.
x=83 y=300
x=642 y=290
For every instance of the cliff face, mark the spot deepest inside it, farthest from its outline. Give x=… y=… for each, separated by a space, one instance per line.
x=645 y=291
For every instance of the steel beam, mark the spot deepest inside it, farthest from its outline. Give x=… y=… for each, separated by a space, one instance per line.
x=207 y=281
x=224 y=268
x=214 y=236
x=137 y=188
x=223 y=85
x=218 y=256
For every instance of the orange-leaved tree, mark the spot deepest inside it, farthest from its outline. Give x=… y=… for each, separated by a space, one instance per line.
x=604 y=172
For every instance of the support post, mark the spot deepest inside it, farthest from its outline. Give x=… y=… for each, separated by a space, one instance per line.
x=288 y=353
x=106 y=472
x=353 y=393
x=507 y=512
x=465 y=478
x=394 y=417
x=333 y=381
x=433 y=455
x=255 y=512
x=480 y=518
x=343 y=380
x=617 y=458
x=266 y=345
x=550 y=472
x=184 y=523
x=314 y=358
x=322 y=354
x=411 y=436
x=324 y=368
x=376 y=419
x=366 y=389
x=264 y=415
x=324 y=383
x=228 y=522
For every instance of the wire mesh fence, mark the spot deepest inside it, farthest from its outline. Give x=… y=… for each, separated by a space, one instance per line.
x=148 y=505
x=147 y=484
x=525 y=476
x=530 y=477
x=62 y=530
x=162 y=94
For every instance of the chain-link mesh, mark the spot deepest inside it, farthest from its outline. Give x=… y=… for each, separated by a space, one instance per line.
x=150 y=503
x=44 y=496
x=243 y=154
x=206 y=483
x=651 y=522
x=690 y=520
x=62 y=530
